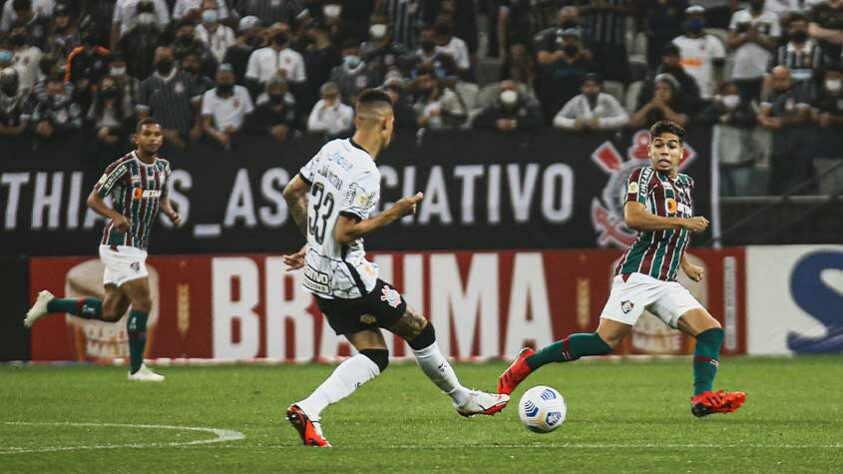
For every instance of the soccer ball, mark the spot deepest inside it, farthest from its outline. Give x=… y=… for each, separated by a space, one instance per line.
x=542 y=409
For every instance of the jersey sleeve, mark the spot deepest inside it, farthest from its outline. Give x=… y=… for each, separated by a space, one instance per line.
x=113 y=174
x=362 y=196
x=165 y=187
x=637 y=186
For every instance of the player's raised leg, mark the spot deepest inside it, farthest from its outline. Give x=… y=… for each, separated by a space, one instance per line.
x=420 y=335
x=601 y=342
x=709 y=335
x=137 y=291
x=371 y=360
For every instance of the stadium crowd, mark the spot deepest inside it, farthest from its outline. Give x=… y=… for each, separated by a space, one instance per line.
x=767 y=72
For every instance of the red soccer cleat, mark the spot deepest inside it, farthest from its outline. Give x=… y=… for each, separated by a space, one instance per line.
x=518 y=371
x=710 y=402
x=310 y=432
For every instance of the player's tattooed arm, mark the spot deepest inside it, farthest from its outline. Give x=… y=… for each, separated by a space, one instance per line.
x=637 y=218
x=296 y=196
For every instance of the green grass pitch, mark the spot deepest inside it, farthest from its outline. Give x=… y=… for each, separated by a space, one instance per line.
x=622 y=416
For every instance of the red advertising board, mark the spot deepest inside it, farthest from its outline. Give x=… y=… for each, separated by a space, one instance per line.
x=484 y=305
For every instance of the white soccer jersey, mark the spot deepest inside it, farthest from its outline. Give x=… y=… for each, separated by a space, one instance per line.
x=344 y=180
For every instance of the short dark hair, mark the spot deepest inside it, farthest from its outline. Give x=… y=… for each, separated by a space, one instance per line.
x=146 y=121
x=666 y=126
x=371 y=96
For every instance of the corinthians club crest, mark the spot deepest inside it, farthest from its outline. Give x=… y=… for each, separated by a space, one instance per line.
x=607 y=210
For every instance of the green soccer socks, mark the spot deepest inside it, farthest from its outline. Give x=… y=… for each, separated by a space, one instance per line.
x=706 y=359
x=571 y=348
x=136 y=327
x=88 y=308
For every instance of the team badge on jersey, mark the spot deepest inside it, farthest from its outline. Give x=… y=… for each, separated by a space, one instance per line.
x=392 y=297
x=607 y=211
x=626 y=306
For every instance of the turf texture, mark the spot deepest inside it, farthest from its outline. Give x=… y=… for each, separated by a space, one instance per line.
x=623 y=416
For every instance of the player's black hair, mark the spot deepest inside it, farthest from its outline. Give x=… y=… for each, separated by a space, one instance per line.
x=146 y=121
x=371 y=96
x=666 y=126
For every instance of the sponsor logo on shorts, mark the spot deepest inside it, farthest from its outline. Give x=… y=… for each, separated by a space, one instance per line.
x=626 y=306
x=392 y=297
x=368 y=319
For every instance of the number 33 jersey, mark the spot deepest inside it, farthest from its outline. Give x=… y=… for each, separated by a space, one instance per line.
x=344 y=181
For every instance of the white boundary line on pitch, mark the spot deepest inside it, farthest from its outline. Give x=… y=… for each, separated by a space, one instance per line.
x=221 y=437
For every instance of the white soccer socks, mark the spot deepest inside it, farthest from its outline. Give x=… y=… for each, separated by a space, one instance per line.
x=436 y=366
x=346 y=378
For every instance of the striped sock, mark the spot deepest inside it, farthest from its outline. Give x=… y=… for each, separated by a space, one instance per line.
x=571 y=348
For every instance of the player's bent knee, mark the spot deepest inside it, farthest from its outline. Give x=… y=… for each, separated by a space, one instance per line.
x=142 y=304
x=379 y=356
x=425 y=338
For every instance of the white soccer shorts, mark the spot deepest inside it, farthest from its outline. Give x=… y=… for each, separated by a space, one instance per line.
x=123 y=264
x=668 y=300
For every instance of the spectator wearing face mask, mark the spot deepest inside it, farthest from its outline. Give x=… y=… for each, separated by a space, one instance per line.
x=352 y=76
x=214 y=35
x=25 y=57
x=801 y=55
x=278 y=58
x=171 y=97
x=737 y=147
x=512 y=112
x=320 y=58
x=48 y=67
x=194 y=8
x=703 y=55
x=186 y=42
x=56 y=116
x=593 y=109
x=381 y=53
x=454 y=47
x=224 y=108
x=15 y=105
x=276 y=116
x=139 y=42
x=127 y=84
x=561 y=71
x=828 y=116
x=753 y=34
x=431 y=55
x=246 y=42
x=127 y=15
x=330 y=116
x=110 y=121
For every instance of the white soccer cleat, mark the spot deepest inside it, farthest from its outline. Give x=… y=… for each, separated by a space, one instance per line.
x=38 y=309
x=482 y=403
x=145 y=374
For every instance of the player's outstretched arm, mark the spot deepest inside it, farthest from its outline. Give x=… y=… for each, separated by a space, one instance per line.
x=167 y=209
x=637 y=218
x=349 y=229
x=295 y=193
x=96 y=203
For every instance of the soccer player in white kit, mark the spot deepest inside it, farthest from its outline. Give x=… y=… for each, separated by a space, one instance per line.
x=331 y=200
